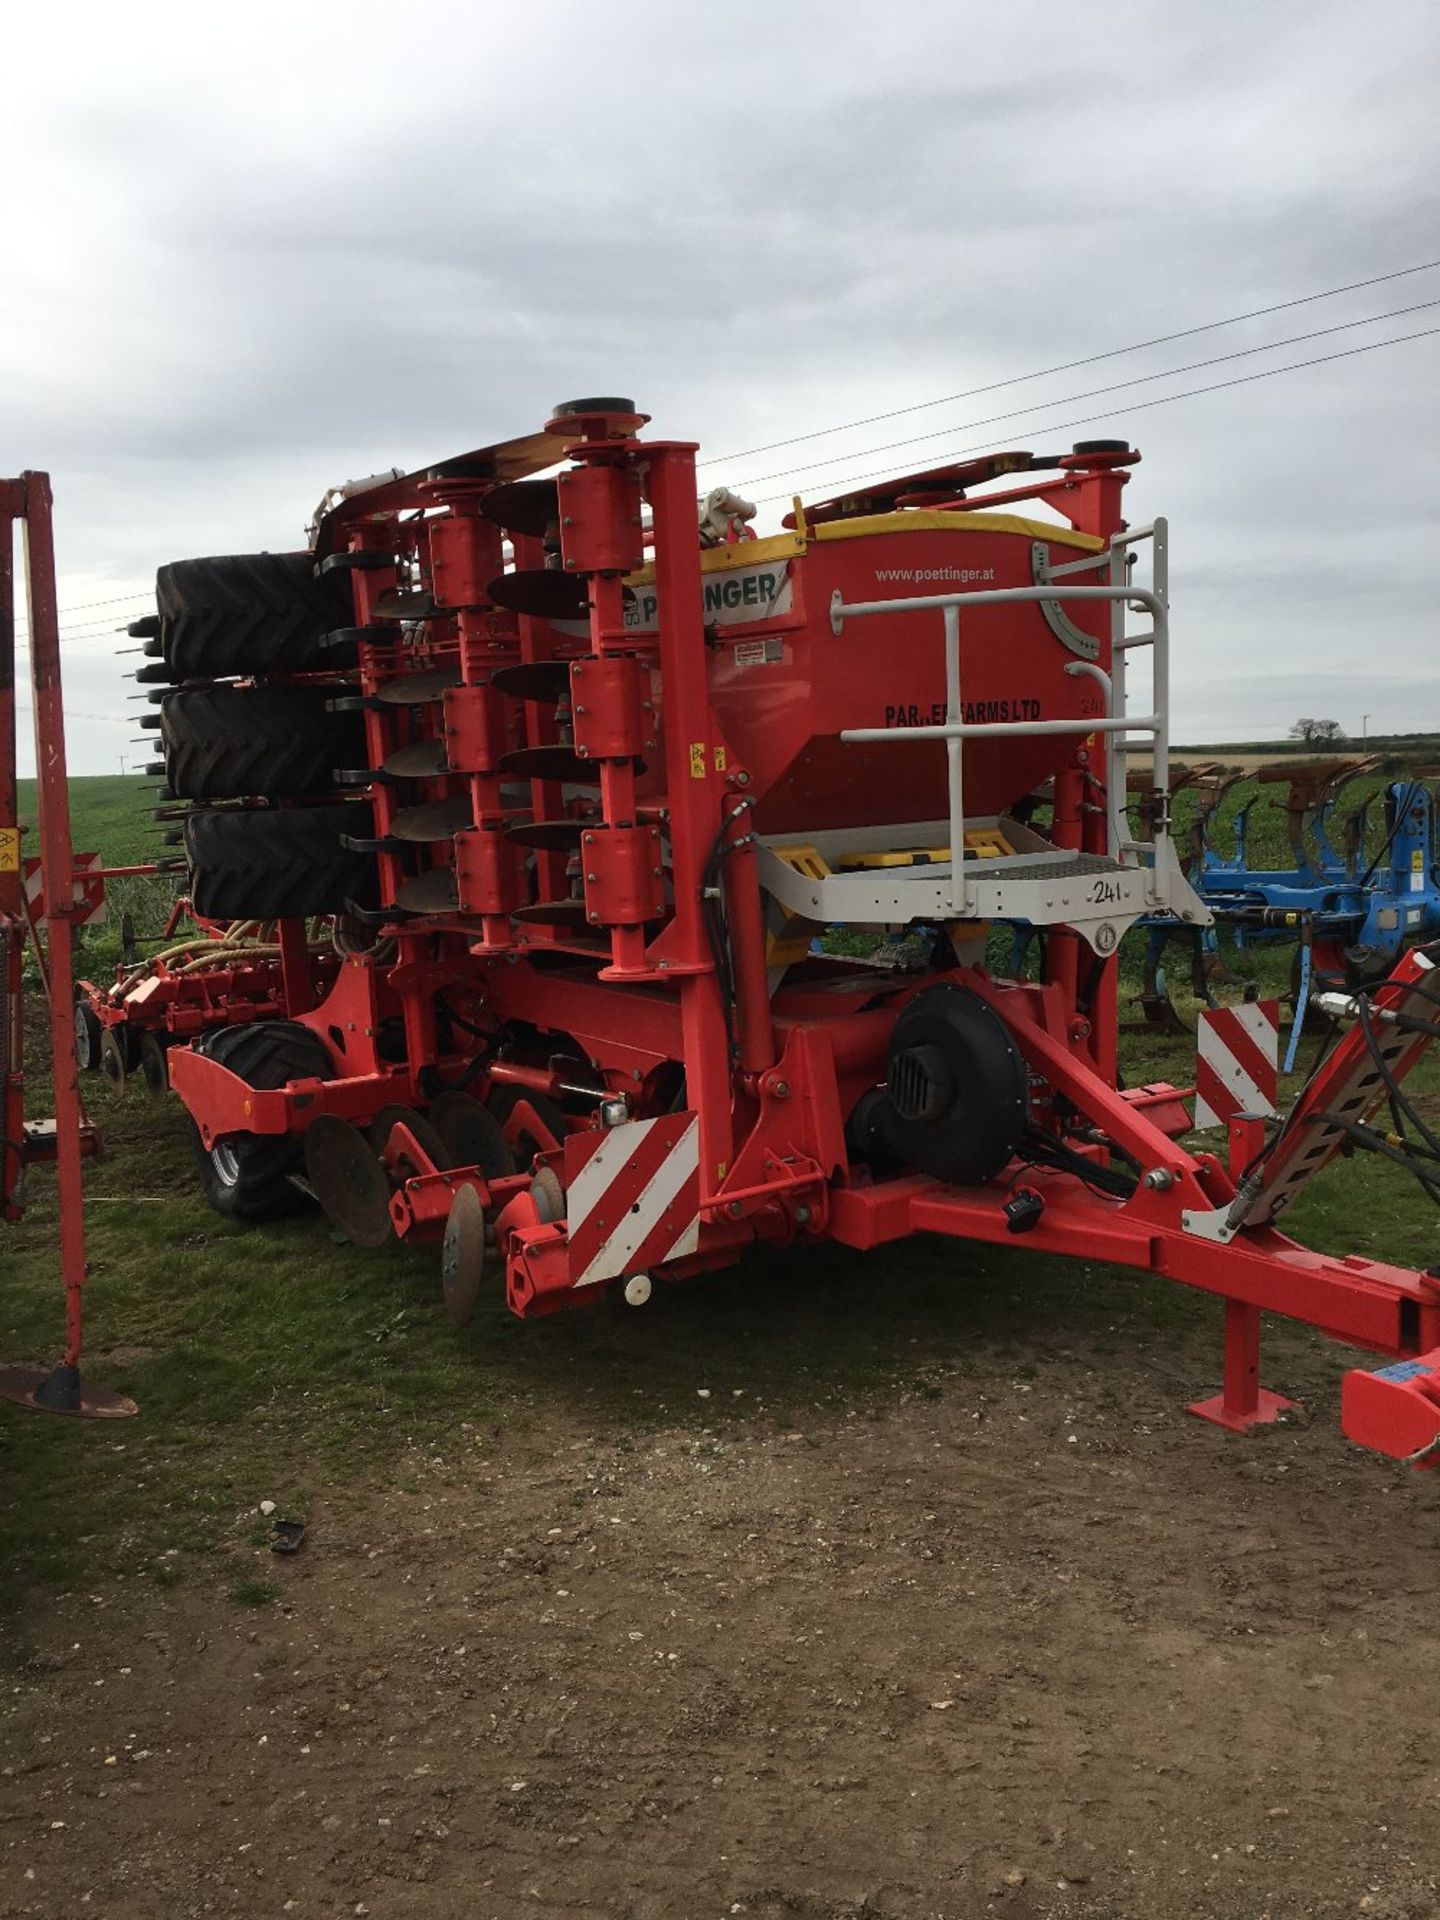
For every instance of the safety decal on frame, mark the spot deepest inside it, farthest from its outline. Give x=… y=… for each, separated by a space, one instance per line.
x=9 y=849
x=697 y=759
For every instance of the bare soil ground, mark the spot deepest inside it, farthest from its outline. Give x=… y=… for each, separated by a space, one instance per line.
x=993 y=1637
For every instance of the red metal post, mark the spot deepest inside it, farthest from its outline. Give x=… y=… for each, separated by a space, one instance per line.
x=29 y=498
x=12 y=915
x=53 y=802
x=694 y=783
x=1242 y=1403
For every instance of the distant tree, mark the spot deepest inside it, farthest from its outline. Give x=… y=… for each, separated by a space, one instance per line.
x=1318 y=733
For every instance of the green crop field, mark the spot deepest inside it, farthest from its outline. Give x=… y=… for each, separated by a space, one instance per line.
x=110 y=815
x=279 y=1362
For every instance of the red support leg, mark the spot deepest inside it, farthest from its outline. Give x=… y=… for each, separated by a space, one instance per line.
x=1243 y=1403
x=60 y=1390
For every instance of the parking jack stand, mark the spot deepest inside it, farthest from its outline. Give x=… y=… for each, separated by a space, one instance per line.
x=1242 y=1402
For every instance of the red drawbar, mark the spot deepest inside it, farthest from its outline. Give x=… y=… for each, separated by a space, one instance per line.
x=1395 y=1410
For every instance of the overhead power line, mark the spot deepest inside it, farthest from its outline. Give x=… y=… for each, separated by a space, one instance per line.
x=1068 y=366
x=83 y=626
x=71 y=713
x=1070 y=399
x=1140 y=406
x=120 y=600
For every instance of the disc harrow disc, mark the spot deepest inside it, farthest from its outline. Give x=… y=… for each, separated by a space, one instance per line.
x=554 y=913
x=113 y=1063
x=548 y=1195
x=523 y=506
x=88 y=1034
x=472 y=1135
x=427 y=1138
x=419 y=689
x=403 y=603
x=555 y=763
x=153 y=1065
x=462 y=1256
x=542 y=593
x=433 y=892
x=440 y=820
x=348 y=1180
x=533 y=1122
x=544 y=680
x=419 y=760
x=549 y=836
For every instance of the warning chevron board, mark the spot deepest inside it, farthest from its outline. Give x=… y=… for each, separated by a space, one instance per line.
x=89 y=892
x=1235 y=1062
x=632 y=1197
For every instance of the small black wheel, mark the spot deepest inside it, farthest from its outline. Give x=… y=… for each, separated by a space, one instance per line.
x=246 y=1176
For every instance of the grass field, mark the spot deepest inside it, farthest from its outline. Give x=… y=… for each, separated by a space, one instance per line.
x=110 y=815
x=274 y=1362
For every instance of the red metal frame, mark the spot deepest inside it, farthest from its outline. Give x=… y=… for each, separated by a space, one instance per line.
x=601 y=984
x=26 y=502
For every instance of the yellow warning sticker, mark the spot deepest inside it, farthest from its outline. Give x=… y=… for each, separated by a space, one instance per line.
x=721 y=760
x=1417 y=860
x=9 y=849
x=697 y=759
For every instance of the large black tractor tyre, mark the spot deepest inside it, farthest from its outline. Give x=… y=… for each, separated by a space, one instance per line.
x=266 y=864
x=271 y=742
x=246 y=1176
x=248 y=613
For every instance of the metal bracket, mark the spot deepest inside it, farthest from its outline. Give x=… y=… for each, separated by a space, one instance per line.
x=1083 y=645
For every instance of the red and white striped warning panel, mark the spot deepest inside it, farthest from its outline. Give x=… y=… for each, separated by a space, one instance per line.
x=632 y=1196
x=1235 y=1062
x=89 y=893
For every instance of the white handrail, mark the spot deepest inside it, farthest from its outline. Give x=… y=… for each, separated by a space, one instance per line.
x=954 y=731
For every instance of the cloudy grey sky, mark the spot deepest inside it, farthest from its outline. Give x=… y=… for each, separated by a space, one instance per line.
x=252 y=251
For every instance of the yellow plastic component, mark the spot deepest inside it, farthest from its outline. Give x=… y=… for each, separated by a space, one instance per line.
x=928 y=520
x=983 y=843
x=782 y=546
x=806 y=860
x=788 y=935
